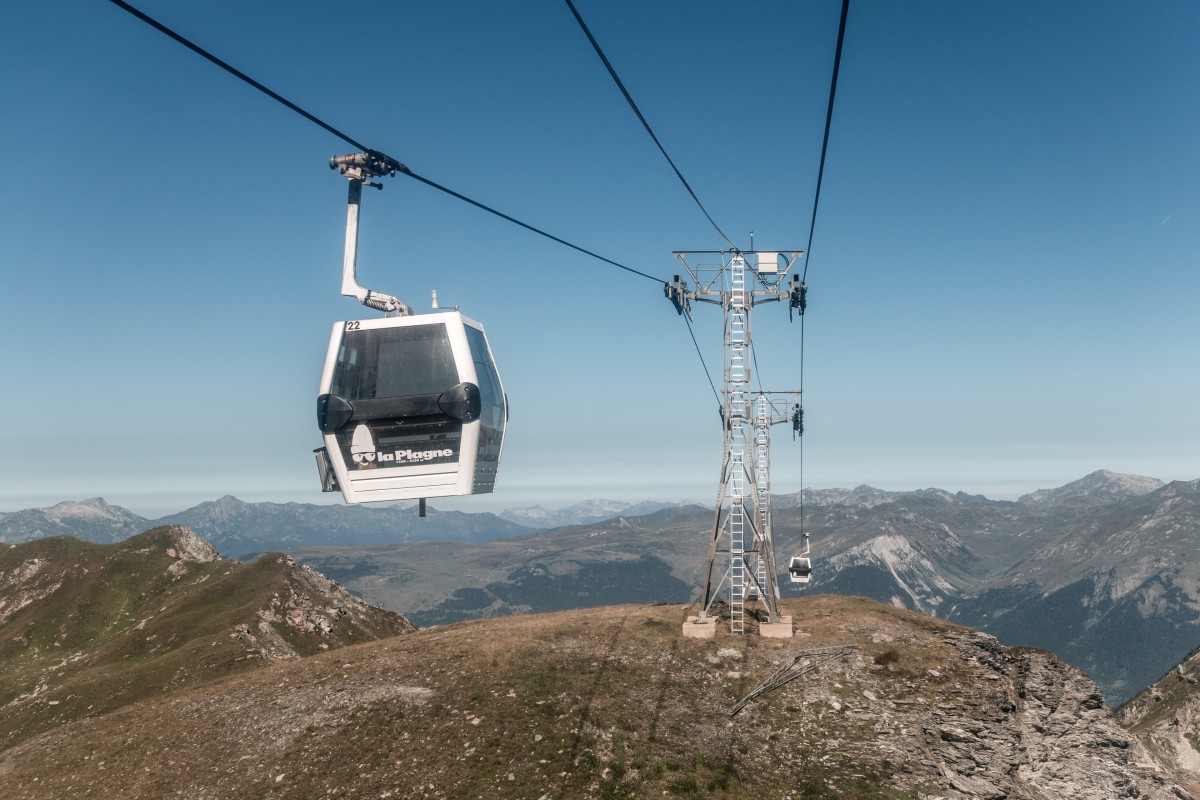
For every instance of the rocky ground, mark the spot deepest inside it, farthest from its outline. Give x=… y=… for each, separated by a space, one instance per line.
x=614 y=703
x=1165 y=719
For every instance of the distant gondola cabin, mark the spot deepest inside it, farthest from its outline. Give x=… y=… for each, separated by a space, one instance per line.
x=800 y=570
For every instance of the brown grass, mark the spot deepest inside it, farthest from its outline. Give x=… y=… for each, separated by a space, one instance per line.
x=607 y=703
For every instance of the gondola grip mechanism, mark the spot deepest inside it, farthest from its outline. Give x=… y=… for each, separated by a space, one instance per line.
x=357 y=167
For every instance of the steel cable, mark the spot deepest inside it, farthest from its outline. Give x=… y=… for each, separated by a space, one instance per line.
x=629 y=99
x=704 y=365
x=837 y=62
x=356 y=144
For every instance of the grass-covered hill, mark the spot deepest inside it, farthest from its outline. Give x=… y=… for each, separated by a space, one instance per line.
x=615 y=703
x=88 y=628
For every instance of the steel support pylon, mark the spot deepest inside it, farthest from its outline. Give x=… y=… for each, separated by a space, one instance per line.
x=741 y=556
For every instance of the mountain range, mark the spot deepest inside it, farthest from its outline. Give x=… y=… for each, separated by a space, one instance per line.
x=1109 y=580
x=240 y=530
x=583 y=513
x=152 y=667
x=1105 y=571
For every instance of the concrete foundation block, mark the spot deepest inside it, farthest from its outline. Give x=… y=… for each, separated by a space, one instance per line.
x=776 y=630
x=703 y=630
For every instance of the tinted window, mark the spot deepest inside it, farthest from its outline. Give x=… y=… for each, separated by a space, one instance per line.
x=393 y=362
x=489 y=382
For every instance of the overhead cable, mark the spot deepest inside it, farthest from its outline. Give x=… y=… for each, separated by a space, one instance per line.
x=524 y=225
x=234 y=71
x=704 y=365
x=393 y=163
x=837 y=61
x=642 y=119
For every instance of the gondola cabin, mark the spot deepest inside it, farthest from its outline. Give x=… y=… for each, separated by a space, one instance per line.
x=410 y=407
x=800 y=569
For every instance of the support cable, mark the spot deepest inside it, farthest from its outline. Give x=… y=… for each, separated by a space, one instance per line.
x=235 y=72
x=707 y=373
x=837 y=61
x=629 y=99
x=391 y=162
x=793 y=669
x=802 y=434
x=757 y=371
x=526 y=226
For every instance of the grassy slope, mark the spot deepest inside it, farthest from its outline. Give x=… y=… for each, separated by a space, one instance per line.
x=120 y=628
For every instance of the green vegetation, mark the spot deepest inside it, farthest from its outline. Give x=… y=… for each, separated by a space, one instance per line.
x=97 y=627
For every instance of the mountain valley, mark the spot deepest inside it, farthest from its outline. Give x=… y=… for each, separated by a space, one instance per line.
x=1104 y=571
x=1109 y=582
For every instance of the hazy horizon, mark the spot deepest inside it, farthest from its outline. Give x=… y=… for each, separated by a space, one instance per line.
x=1001 y=288
x=155 y=507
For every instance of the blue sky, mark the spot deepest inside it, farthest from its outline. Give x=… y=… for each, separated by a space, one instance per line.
x=1003 y=280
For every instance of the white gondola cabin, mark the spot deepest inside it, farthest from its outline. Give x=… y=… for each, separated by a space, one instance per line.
x=410 y=407
x=800 y=569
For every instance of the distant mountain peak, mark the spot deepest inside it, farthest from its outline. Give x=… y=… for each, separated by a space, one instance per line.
x=99 y=502
x=1102 y=485
x=581 y=513
x=94 y=519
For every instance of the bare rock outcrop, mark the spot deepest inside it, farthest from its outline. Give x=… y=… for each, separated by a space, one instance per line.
x=187 y=546
x=1043 y=731
x=316 y=605
x=24 y=583
x=983 y=722
x=1165 y=722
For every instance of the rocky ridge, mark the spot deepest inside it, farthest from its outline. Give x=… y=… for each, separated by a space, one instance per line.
x=88 y=628
x=1165 y=719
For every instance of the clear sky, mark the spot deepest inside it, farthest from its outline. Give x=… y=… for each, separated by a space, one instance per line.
x=1003 y=280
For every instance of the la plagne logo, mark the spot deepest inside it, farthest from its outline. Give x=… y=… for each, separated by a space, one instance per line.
x=417 y=455
x=365 y=455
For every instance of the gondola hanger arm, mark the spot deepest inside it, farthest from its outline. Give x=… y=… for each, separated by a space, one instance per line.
x=359 y=168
